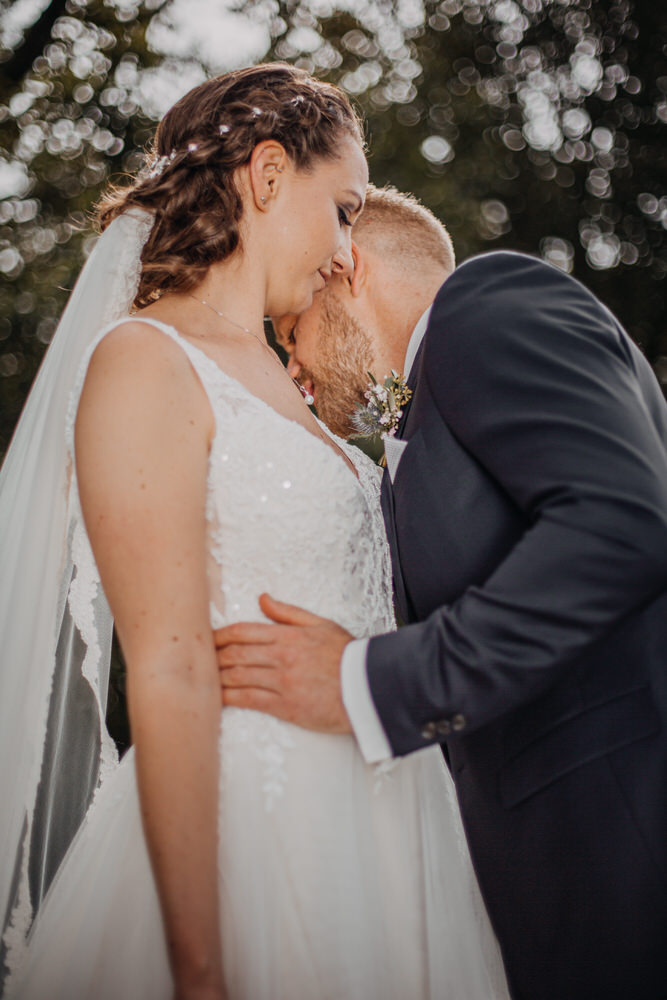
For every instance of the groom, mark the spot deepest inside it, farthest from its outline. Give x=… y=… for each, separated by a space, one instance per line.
x=525 y=499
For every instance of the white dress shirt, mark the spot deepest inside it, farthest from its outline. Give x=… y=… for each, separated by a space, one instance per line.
x=357 y=699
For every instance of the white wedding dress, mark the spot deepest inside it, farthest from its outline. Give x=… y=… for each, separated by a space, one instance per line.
x=337 y=880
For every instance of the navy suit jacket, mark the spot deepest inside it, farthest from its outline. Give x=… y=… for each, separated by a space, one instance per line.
x=528 y=527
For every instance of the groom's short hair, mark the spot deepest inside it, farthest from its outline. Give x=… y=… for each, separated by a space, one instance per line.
x=394 y=224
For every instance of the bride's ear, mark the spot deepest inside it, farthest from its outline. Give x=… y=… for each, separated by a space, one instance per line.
x=267 y=163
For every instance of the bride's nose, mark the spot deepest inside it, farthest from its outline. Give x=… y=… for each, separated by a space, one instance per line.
x=342 y=263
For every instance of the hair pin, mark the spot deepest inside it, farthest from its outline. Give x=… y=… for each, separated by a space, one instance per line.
x=154 y=169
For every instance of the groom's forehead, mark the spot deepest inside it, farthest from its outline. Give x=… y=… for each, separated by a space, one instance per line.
x=311 y=319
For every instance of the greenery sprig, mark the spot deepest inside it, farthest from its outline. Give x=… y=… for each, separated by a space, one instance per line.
x=381 y=415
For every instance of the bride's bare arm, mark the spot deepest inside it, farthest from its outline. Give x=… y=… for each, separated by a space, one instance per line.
x=142 y=436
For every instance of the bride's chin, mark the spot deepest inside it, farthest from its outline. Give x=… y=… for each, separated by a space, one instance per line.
x=305 y=302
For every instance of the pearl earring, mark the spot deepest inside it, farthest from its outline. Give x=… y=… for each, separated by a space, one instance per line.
x=263 y=199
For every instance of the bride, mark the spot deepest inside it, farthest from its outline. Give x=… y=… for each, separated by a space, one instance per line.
x=167 y=464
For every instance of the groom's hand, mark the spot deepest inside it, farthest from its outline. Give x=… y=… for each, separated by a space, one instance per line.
x=290 y=669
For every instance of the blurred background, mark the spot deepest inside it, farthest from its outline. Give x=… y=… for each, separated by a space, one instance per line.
x=537 y=125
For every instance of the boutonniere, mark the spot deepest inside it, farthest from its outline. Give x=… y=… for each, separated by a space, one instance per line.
x=381 y=415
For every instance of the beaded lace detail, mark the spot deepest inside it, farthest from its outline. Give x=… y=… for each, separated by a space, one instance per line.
x=286 y=515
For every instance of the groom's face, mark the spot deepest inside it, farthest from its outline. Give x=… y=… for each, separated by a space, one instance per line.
x=330 y=353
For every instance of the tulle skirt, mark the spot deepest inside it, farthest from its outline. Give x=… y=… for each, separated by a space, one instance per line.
x=337 y=881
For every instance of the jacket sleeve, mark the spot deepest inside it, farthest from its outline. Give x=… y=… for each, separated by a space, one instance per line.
x=537 y=381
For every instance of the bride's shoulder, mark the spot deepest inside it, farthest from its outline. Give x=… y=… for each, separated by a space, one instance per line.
x=143 y=351
x=136 y=338
x=134 y=365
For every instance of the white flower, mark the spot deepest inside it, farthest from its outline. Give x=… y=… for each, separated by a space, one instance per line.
x=384 y=409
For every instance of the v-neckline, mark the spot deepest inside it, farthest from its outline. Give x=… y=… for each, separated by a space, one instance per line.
x=337 y=453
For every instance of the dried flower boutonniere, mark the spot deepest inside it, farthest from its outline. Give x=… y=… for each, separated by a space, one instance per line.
x=381 y=415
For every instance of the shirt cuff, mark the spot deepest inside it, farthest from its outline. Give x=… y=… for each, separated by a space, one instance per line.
x=359 y=705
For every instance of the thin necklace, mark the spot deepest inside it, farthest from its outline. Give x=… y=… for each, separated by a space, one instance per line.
x=302 y=389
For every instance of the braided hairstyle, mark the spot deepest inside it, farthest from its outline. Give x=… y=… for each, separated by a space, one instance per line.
x=198 y=146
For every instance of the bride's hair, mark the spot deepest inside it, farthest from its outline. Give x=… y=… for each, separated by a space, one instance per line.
x=189 y=183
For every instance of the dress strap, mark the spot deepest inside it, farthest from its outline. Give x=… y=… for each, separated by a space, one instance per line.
x=219 y=387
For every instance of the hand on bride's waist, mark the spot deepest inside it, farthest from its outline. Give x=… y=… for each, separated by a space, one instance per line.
x=290 y=669
x=246 y=608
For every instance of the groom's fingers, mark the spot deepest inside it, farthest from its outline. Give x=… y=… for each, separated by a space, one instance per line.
x=241 y=633
x=249 y=677
x=259 y=632
x=328 y=716
x=287 y=614
x=247 y=655
x=287 y=670
x=256 y=698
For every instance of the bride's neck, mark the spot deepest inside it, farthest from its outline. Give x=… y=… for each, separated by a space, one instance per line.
x=237 y=290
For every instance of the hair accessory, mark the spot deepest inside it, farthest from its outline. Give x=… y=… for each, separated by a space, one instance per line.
x=224 y=129
x=257 y=112
x=156 y=167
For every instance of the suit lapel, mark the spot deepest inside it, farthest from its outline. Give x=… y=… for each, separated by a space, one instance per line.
x=387 y=499
x=403 y=605
x=413 y=378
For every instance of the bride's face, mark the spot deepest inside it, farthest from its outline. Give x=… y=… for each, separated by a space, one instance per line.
x=310 y=225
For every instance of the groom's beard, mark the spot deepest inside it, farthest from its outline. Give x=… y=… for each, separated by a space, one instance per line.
x=340 y=370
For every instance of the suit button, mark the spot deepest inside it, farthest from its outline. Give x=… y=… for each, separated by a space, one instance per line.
x=458 y=723
x=443 y=728
x=429 y=730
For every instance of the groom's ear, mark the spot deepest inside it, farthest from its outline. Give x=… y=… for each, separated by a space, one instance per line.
x=357 y=280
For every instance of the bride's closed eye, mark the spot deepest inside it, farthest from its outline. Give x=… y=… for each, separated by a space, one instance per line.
x=344 y=217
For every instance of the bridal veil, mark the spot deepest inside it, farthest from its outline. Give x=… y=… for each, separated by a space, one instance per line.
x=55 y=625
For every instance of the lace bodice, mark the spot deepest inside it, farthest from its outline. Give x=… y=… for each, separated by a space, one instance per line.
x=286 y=515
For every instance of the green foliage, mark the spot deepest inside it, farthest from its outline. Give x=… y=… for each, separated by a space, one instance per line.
x=536 y=125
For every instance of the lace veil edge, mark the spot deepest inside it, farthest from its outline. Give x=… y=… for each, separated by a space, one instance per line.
x=55 y=624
